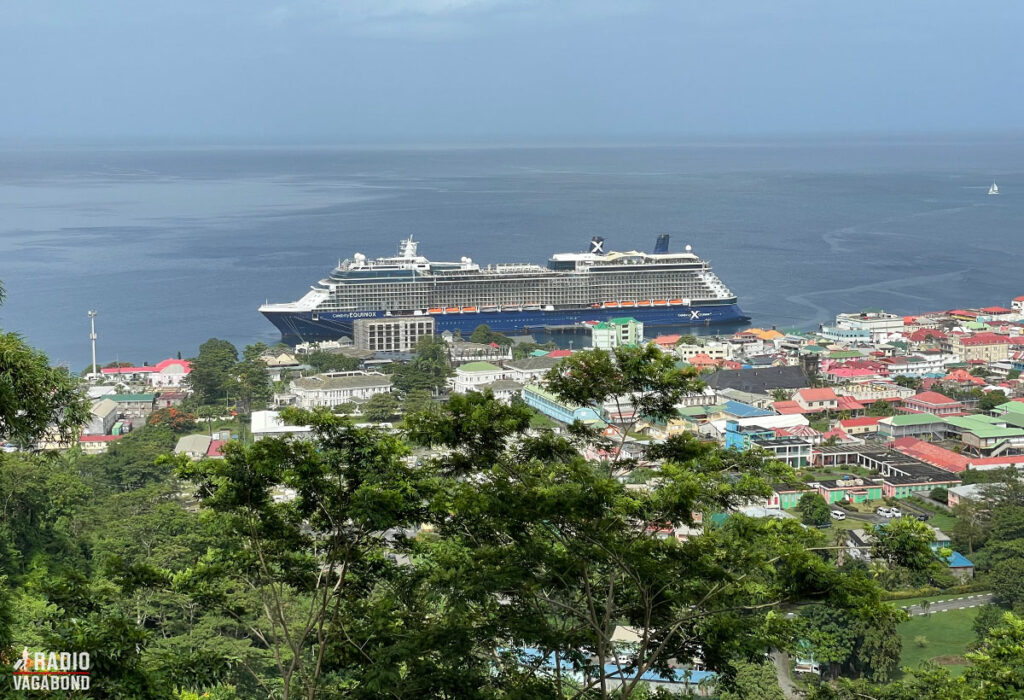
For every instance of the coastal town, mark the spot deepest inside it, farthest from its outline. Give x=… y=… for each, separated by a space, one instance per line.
x=881 y=416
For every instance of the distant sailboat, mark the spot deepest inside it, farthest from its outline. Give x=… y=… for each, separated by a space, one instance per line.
x=994 y=189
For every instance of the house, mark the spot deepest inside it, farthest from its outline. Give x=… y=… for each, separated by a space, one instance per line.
x=96 y=444
x=960 y=566
x=102 y=417
x=504 y=390
x=167 y=399
x=714 y=351
x=815 y=400
x=865 y=425
x=335 y=388
x=193 y=446
x=934 y=403
x=794 y=451
x=169 y=372
x=759 y=380
x=530 y=369
x=911 y=425
x=473 y=375
x=934 y=455
x=849 y=488
x=788 y=496
x=917 y=482
x=616 y=332
x=134 y=405
x=977 y=493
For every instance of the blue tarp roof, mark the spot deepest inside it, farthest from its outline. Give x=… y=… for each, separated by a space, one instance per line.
x=956 y=559
x=743 y=410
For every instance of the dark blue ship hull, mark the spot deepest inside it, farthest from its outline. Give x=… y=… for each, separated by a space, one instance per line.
x=306 y=326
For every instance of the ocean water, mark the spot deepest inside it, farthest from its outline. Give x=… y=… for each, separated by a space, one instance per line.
x=172 y=247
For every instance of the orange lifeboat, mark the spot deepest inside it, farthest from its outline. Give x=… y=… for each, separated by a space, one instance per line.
x=611 y=304
x=643 y=303
x=468 y=309
x=438 y=310
x=660 y=302
x=627 y=303
x=676 y=302
x=452 y=310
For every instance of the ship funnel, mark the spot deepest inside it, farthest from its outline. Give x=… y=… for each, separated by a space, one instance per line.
x=661 y=246
x=597 y=245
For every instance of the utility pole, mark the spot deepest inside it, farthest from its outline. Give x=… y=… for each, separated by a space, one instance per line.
x=92 y=337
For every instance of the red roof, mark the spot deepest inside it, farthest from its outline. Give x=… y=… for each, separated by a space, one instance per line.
x=99 y=438
x=848 y=403
x=985 y=339
x=931 y=454
x=860 y=422
x=214 y=450
x=667 y=339
x=560 y=353
x=994 y=310
x=817 y=394
x=932 y=398
x=923 y=334
x=158 y=367
x=961 y=312
x=787 y=408
x=962 y=376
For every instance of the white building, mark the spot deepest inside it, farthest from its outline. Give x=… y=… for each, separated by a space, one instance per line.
x=878 y=323
x=616 y=332
x=716 y=351
x=531 y=370
x=473 y=376
x=269 y=424
x=102 y=417
x=335 y=388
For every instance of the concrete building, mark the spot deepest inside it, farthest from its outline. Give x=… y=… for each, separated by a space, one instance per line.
x=983 y=347
x=716 y=351
x=169 y=372
x=616 y=332
x=193 y=446
x=852 y=489
x=531 y=370
x=336 y=388
x=934 y=403
x=102 y=417
x=474 y=375
x=554 y=407
x=460 y=351
x=134 y=405
x=794 y=451
x=391 y=334
x=269 y=424
x=878 y=323
x=504 y=390
x=814 y=400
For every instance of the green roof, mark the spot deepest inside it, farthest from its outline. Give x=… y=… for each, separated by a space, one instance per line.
x=130 y=397
x=479 y=367
x=623 y=320
x=1010 y=407
x=602 y=325
x=814 y=348
x=845 y=354
x=915 y=419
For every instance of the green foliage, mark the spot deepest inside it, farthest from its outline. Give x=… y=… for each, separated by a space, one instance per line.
x=428 y=370
x=881 y=408
x=173 y=419
x=814 y=510
x=1007 y=581
x=992 y=399
x=940 y=494
x=380 y=408
x=904 y=542
x=211 y=377
x=1013 y=374
x=754 y=681
x=523 y=350
x=485 y=336
x=323 y=361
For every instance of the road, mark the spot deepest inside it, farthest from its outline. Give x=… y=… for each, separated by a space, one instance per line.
x=959 y=603
x=789 y=689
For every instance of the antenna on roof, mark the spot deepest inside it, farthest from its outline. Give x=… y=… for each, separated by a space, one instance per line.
x=92 y=337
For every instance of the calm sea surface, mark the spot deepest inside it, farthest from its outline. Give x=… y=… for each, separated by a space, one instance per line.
x=173 y=247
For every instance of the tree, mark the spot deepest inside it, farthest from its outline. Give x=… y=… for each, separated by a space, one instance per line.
x=416 y=400
x=485 y=336
x=881 y=408
x=688 y=339
x=35 y=397
x=754 y=681
x=814 y=510
x=1013 y=374
x=1007 y=581
x=971 y=526
x=252 y=380
x=904 y=542
x=996 y=397
x=780 y=394
x=173 y=419
x=211 y=378
x=323 y=361
x=380 y=408
x=428 y=370
x=308 y=568
x=909 y=382
x=997 y=666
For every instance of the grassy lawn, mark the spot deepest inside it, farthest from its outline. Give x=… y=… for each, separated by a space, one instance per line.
x=904 y=602
x=948 y=634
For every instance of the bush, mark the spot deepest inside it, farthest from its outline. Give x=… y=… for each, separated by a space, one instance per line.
x=921 y=641
x=939 y=494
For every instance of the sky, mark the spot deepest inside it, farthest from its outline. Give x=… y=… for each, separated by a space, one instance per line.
x=421 y=71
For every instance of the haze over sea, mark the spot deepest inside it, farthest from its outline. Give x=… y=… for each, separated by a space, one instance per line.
x=172 y=247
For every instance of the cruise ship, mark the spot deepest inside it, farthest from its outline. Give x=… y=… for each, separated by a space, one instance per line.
x=660 y=288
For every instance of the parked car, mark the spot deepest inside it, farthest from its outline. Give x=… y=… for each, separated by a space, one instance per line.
x=884 y=511
x=921 y=516
x=838 y=515
x=896 y=512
